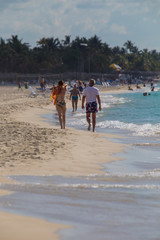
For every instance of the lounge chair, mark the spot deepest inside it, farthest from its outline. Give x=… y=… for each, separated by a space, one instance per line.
x=33 y=94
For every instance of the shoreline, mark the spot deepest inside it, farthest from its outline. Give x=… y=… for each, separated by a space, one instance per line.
x=32 y=146
x=27 y=125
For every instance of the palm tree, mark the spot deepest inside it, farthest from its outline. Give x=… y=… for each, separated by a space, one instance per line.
x=49 y=44
x=130 y=47
x=67 y=40
x=18 y=53
x=16 y=45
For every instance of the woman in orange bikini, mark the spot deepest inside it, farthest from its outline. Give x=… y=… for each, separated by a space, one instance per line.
x=60 y=103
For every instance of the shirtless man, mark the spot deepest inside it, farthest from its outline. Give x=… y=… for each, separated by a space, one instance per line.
x=42 y=83
x=61 y=104
x=74 y=95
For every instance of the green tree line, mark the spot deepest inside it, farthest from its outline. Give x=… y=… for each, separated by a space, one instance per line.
x=91 y=55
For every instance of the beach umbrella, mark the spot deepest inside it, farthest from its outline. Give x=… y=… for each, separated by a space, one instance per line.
x=115 y=66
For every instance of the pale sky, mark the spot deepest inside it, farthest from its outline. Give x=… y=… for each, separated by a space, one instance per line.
x=113 y=21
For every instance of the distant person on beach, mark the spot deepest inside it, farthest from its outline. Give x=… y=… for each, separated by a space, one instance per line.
x=60 y=92
x=129 y=88
x=19 y=86
x=26 y=85
x=138 y=86
x=74 y=95
x=45 y=83
x=42 y=83
x=152 y=86
x=85 y=85
x=91 y=95
x=80 y=87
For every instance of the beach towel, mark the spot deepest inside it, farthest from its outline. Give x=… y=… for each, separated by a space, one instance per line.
x=55 y=92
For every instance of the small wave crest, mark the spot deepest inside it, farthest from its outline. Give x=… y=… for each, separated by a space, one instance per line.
x=107 y=186
x=110 y=100
x=138 y=130
x=154 y=174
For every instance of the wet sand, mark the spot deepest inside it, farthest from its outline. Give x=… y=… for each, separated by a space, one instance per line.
x=21 y=227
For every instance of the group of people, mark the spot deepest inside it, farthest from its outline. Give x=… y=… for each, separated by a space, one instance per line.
x=20 y=85
x=90 y=95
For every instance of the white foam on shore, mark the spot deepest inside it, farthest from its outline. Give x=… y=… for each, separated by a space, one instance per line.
x=154 y=173
x=137 y=130
x=110 y=100
x=107 y=186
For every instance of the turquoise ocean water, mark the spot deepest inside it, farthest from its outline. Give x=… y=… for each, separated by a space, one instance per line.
x=129 y=112
x=121 y=204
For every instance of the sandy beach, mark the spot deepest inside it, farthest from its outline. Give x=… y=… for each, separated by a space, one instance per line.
x=31 y=146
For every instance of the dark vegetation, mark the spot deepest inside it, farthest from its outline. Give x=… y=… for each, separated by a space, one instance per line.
x=52 y=55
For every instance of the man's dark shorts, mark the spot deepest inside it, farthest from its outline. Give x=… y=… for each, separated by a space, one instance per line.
x=91 y=107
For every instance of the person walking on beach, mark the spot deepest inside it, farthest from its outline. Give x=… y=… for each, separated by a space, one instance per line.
x=19 y=86
x=91 y=95
x=60 y=92
x=74 y=95
x=80 y=87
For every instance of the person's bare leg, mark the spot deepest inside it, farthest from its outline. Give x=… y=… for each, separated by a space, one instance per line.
x=73 y=105
x=64 y=117
x=89 y=121
x=60 y=119
x=93 y=121
x=59 y=115
x=76 y=103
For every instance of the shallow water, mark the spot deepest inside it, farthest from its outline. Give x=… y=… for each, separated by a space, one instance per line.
x=123 y=203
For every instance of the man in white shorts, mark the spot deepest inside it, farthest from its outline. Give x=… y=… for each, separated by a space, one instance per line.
x=91 y=95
